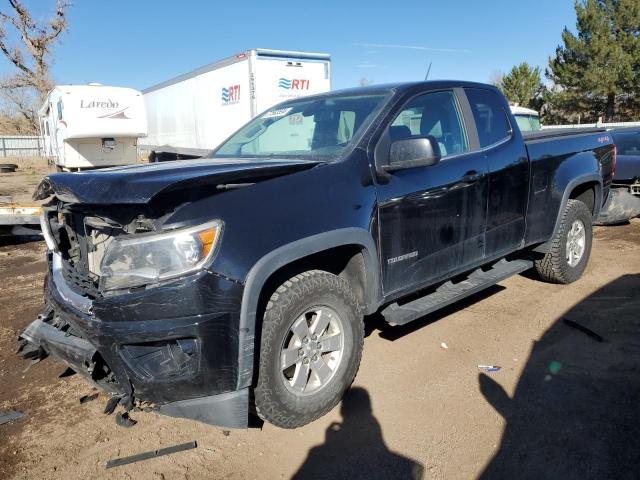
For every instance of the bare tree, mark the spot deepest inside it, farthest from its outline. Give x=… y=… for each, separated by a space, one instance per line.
x=30 y=53
x=495 y=78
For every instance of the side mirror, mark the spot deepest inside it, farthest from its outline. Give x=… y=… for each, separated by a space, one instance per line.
x=412 y=153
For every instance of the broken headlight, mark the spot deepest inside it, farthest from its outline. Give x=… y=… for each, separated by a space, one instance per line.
x=150 y=258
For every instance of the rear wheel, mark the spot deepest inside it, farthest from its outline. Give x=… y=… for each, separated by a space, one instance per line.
x=569 y=253
x=311 y=347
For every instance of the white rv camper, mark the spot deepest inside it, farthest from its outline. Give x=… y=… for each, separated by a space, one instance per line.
x=191 y=114
x=91 y=126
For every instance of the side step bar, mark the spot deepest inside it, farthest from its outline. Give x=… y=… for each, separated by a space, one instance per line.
x=450 y=292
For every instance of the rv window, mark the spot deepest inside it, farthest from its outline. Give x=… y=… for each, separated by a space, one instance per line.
x=59 y=109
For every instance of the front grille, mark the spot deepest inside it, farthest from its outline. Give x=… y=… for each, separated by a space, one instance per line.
x=73 y=240
x=80 y=280
x=82 y=240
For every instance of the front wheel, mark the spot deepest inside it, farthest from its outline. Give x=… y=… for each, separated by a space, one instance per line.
x=569 y=252
x=310 y=349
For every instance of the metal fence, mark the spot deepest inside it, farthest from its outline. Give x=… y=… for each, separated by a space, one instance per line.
x=21 y=146
x=595 y=125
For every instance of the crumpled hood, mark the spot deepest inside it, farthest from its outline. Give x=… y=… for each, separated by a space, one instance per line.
x=138 y=184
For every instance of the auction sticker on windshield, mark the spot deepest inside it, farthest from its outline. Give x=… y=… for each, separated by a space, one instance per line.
x=277 y=113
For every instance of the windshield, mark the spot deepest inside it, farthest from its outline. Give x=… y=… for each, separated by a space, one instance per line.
x=627 y=143
x=528 y=123
x=311 y=128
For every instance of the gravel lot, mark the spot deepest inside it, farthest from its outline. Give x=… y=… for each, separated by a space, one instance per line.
x=563 y=405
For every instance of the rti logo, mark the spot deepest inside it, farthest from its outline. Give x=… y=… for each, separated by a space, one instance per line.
x=230 y=95
x=295 y=84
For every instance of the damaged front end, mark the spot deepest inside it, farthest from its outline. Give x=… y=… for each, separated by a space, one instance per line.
x=50 y=334
x=170 y=344
x=620 y=207
x=134 y=305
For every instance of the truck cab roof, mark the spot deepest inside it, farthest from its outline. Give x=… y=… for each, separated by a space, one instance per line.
x=399 y=87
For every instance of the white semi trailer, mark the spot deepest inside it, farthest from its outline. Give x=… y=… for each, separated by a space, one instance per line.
x=191 y=114
x=92 y=126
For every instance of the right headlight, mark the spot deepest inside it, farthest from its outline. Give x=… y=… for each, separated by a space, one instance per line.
x=151 y=258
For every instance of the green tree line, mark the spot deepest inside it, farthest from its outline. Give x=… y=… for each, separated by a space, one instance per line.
x=594 y=73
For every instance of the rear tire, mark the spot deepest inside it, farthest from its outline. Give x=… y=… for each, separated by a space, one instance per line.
x=310 y=349
x=569 y=252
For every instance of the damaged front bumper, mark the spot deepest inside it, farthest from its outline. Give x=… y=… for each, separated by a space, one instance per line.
x=174 y=346
x=620 y=207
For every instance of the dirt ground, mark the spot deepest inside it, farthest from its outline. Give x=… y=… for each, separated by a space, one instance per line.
x=563 y=405
x=18 y=187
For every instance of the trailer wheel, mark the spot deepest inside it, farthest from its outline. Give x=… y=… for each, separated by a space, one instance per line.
x=310 y=349
x=569 y=253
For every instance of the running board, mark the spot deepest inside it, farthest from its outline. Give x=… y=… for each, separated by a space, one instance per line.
x=450 y=292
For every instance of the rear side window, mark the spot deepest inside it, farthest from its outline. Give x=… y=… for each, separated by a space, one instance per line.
x=491 y=119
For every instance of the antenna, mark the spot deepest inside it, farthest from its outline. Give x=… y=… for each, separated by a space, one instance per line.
x=428 y=71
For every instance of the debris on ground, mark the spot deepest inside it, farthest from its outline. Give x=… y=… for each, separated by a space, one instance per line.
x=583 y=329
x=444 y=345
x=226 y=433
x=489 y=368
x=152 y=454
x=124 y=420
x=69 y=372
x=111 y=405
x=6 y=417
x=88 y=398
x=8 y=167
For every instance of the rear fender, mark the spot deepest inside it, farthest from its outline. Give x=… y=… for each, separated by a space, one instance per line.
x=584 y=179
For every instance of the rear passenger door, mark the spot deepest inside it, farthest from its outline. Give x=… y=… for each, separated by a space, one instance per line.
x=508 y=165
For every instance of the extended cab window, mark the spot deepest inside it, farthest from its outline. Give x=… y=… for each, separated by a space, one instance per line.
x=436 y=114
x=491 y=119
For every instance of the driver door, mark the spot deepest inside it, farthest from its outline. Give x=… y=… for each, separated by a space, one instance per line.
x=431 y=219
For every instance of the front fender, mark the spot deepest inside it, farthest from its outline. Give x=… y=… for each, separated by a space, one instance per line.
x=284 y=255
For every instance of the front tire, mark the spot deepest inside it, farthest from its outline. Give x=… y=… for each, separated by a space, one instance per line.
x=569 y=252
x=310 y=349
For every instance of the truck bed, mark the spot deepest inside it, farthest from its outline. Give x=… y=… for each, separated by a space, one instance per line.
x=559 y=132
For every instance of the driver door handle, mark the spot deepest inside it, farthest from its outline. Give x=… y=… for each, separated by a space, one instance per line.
x=471 y=177
x=467 y=180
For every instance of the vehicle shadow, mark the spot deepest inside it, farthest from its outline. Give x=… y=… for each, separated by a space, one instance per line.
x=355 y=447
x=575 y=413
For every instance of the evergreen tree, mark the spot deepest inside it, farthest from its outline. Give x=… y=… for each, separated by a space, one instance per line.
x=522 y=85
x=598 y=70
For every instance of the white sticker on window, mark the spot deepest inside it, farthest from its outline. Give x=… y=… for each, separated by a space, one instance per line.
x=277 y=113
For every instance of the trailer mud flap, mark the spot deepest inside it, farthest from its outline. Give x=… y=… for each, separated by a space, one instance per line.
x=620 y=207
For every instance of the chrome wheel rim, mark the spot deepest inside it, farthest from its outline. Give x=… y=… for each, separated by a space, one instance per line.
x=312 y=350
x=576 y=241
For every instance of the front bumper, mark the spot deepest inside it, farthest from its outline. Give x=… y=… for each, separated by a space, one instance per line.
x=620 y=207
x=174 y=346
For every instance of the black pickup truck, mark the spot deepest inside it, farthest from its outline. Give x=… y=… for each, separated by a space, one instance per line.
x=239 y=284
